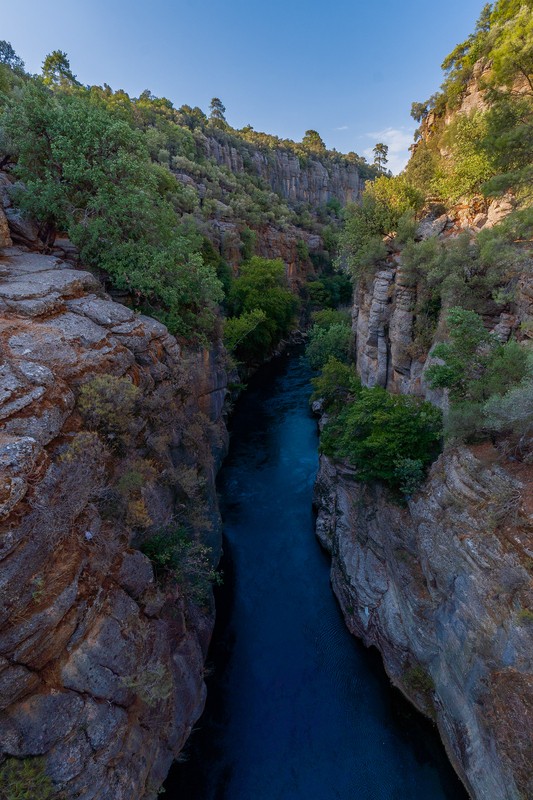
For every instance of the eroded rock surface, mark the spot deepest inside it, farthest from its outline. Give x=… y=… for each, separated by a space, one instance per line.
x=443 y=588
x=101 y=671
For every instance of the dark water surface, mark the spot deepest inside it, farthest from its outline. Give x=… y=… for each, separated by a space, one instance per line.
x=297 y=708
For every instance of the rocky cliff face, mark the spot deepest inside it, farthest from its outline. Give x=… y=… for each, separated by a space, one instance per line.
x=100 y=665
x=313 y=181
x=393 y=339
x=444 y=589
x=271 y=242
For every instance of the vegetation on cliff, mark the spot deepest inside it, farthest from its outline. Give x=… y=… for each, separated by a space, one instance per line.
x=485 y=146
x=144 y=191
x=468 y=151
x=388 y=438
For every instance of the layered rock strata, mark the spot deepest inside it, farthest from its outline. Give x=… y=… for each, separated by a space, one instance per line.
x=101 y=668
x=313 y=181
x=443 y=588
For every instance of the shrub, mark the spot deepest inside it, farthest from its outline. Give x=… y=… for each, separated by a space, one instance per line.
x=336 y=385
x=87 y=171
x=237 y=329
x=417 y=679
x=513 y=411
x=107 y=404
x=302 y=250
x=383 y=203
x=409 y=473
x=318 y=294
x=379 y=429
x=328 y=317
x=153 y=685
x=475 y=364
x=176 y=556
x=328 y=342
x=25 y=779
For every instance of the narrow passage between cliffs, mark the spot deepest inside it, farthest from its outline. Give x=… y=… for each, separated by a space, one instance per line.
x=297 y=708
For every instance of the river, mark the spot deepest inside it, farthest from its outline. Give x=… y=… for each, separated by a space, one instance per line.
x=297 y=708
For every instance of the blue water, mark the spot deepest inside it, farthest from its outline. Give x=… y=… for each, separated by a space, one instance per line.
x=297 y=708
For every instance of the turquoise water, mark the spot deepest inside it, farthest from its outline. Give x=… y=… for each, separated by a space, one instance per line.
x=297 y=708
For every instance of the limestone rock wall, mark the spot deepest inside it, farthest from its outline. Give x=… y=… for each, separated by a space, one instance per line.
x=101 y=669
x=393 y=345
x=444 y=589
x=314 y=182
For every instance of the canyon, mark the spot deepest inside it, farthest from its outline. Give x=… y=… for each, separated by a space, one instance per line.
x=442 y=585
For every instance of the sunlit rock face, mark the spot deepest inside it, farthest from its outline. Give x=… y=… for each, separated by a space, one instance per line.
x=314 y=182
x=101 y=671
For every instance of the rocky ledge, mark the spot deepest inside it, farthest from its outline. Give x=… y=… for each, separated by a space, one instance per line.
x=101 y=669
x=443 y=588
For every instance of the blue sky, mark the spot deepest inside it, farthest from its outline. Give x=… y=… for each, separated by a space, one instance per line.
x=347 y=69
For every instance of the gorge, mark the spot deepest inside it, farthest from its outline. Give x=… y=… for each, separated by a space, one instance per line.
x=352 y=351
x=296 y=707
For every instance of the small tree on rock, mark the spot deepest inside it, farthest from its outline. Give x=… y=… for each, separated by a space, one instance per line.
x=313 y=142
x=381 y=151
x=217 y=111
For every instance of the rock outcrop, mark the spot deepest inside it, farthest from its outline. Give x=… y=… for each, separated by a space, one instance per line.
x=393 y=333
x=314 y=181
x=444 y=589
x=101 y=666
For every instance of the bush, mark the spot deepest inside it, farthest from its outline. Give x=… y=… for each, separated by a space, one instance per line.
x=328 y=317
x=383 y=203
x=328 y=342
x=261 y=286
x=336 y=385
x=409 y=473
x=25 y=779
x=237 y=329
x=513 y=411
x=379 y=430
x=88 y=172
x=176 y=556
x=107 y=405
x=417 y=679
x=153 y=685
x=475 y=364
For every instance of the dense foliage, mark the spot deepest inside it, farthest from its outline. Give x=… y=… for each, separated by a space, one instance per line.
x=388 y=438
x=86 y=171
x=261 y=308
x=385 y=202
x=176 y=556
x=489 y=149
x=479 y=372
x=329 y=337
x=142 y=190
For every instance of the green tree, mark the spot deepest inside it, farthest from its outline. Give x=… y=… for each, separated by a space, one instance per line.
x=56 y=70
x=378 y=431
x=262 y=286
x=237 y=329
x=9 y=57
x=384 y=201
x=333 y=341
x=312 y=141
x=88 y=172
x=217 y=111
x=419 y=111
x=381 y=152
x=337 y=385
